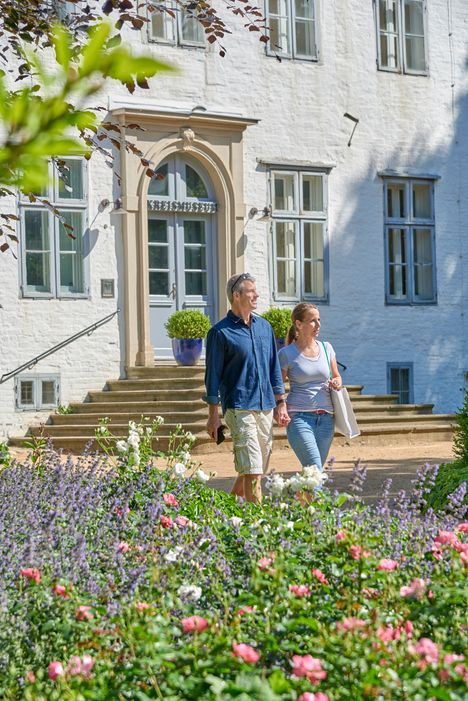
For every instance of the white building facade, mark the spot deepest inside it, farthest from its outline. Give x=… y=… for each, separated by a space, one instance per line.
x=334 y=175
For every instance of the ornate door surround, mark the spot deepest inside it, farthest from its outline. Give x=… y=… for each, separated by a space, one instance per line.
x=216 y=142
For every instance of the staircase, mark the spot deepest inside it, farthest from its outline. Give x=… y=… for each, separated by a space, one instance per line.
x=175 y=393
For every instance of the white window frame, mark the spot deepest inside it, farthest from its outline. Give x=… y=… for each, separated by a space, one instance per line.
x=400 y=33
x=174 y=27
x=37 y=381
x=300 y=217
x=64 y=205
x=401 y=366
x=409 y=224
x=291 y=29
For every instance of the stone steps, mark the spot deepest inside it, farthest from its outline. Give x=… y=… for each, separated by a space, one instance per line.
x=175 y=393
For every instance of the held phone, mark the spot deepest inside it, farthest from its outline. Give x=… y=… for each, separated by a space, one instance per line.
x=220 y=437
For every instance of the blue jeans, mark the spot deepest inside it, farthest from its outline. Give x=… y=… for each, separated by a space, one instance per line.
x=310 y=436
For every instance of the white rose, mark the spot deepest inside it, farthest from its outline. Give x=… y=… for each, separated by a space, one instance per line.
x=189 y=592
x=179 y=469
x=121 y=446
x=201 y=476
x=236 y=521
x=174 y=554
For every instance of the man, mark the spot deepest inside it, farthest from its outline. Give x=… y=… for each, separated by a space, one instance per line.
x=242 y=371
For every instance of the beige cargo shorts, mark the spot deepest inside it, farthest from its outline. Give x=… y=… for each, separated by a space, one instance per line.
x=252 y=438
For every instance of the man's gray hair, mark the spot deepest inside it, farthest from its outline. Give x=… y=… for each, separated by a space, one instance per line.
x=236 y=284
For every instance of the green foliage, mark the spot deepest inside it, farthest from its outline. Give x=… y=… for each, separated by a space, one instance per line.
x=450 y=476
x=188 y=323
x=63 y=409
x=280 y=319
x=45 y=120
x=460 y=440
x=5 y=457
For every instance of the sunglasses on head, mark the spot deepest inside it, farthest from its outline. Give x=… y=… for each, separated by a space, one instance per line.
x=241 y=278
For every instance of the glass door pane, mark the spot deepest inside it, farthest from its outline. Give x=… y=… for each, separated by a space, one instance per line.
x=195 y=258
x=158 y=257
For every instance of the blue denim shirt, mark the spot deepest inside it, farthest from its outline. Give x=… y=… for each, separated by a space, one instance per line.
x=242 y=368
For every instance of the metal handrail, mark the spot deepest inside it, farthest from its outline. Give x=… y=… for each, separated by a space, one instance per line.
x=31 y=363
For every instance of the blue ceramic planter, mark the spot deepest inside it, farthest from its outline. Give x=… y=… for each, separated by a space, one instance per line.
x=187 y=351
x=280 y=343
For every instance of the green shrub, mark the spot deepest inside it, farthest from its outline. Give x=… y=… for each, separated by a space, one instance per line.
x=280 y=320
x=460 y=440
x=450 y=476
x=187 y=323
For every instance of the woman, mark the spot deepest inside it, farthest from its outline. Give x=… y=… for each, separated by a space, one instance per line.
x=308 y=364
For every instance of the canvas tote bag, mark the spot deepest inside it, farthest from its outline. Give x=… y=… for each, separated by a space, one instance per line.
x=345 y=421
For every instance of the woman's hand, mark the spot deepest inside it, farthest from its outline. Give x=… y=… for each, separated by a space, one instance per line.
x=336 y=383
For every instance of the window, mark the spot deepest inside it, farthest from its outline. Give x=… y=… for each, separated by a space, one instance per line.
x=36 y=392
x=51 y=254
x=179 y=27
x=409 y=241
x=293 y=28
x=400 y=381
x=299 y=228
x=401 y=30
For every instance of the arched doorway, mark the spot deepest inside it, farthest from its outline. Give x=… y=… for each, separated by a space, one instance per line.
x=182 y=251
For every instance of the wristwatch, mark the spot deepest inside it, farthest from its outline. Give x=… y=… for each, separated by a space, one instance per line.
x=280 y=401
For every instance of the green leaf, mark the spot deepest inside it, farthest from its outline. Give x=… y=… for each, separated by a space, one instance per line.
x=61 y=40
x=91 y=57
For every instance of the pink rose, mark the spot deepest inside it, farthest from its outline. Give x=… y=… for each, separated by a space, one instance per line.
x=60 y=590
x=309 y=667
x=31 y=573
x=299 y=589
x=446 y=537
x=141 y=606
x=309 y=696
x=245 y=652
x=437 y=551
x=318 y=574
x=87 y=664
x=462 y=527
x=358 y=553
x=387 y=633
x=183 y=521
x=428 y=651
x=83 y=613
x=245 y=609
x=341 y=535
x=351 y=623
x=264 y=563
x=55 y=670
x=30 y=677
x=194 y=624
x=123 y=547
x=387 y=565
x=74 y=665
x=464 y=558
x=166 y=521
x=170 y=500
x=415 y=589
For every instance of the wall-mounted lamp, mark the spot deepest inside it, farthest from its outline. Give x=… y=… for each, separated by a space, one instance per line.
x=265 y=214
x=117 y=206
x=355 y=120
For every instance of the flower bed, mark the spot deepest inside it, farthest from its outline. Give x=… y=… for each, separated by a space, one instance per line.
x=149 y=585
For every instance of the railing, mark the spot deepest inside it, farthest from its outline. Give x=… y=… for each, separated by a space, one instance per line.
x=31 y=363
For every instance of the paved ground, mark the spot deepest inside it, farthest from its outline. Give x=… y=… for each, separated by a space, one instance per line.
x=398 y=462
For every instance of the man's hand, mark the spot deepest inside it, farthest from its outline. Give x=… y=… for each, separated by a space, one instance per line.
x=214 y=422
x=281 y=415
